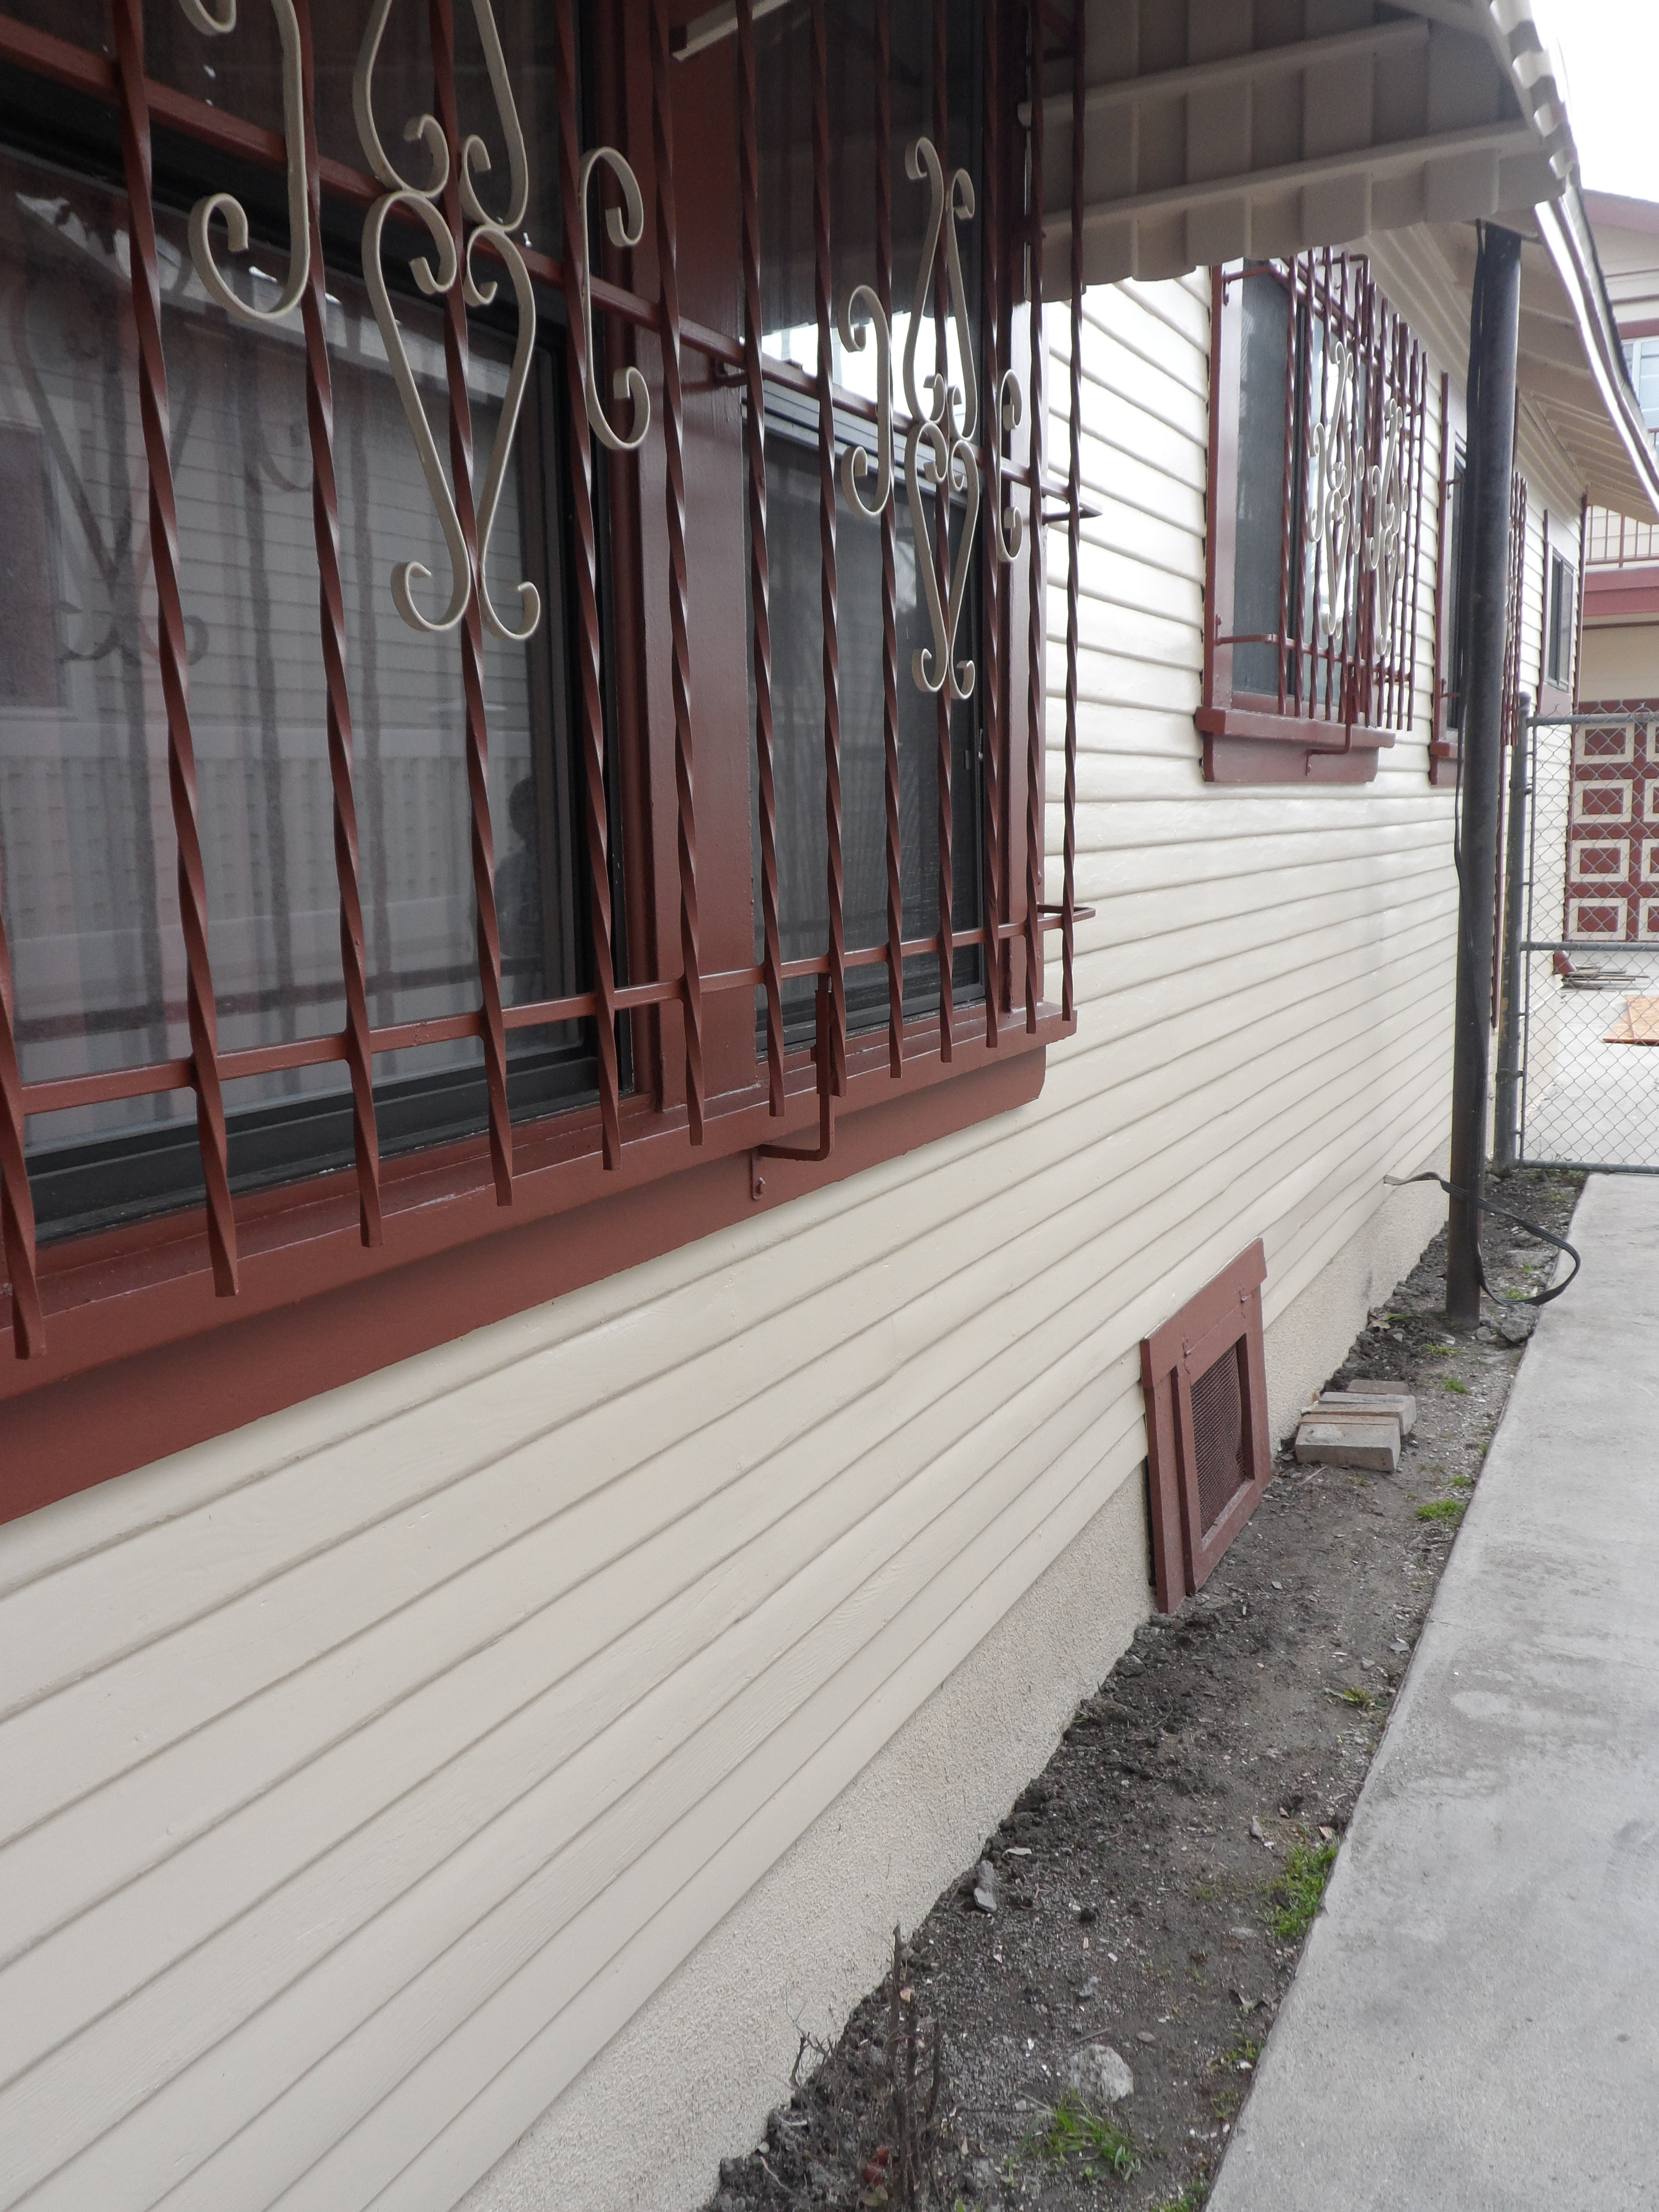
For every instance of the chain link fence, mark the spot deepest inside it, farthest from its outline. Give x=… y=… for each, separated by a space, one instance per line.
x=1578 y=988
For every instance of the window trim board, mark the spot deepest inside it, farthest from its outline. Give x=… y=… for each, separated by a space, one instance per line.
x=142 y=1360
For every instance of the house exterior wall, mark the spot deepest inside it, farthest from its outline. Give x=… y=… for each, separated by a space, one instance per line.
x=1619 y=660
x=466 y=1780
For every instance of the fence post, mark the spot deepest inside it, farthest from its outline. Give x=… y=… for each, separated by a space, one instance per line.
x=1506 y=1133
x=1495 y=319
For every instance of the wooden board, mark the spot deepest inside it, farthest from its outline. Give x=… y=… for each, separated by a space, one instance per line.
x=1638 y=1024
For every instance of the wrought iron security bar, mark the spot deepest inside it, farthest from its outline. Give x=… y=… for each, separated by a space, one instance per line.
x=1355 y=387
x=952 y=440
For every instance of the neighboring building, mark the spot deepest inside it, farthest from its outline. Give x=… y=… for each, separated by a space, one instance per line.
x=509 y=1589
x=1620 y=653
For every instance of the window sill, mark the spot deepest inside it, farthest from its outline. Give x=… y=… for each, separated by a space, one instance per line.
x=141 y=1359
x=1246 y=746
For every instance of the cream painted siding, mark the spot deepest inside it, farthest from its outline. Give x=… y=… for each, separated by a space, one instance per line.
x=365 y=1771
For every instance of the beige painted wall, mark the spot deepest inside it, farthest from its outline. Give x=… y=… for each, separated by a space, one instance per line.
x=1619 y=662
x=368 y=1771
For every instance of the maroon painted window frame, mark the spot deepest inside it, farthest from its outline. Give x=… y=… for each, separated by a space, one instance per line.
x=120 y=1346
x=1223 y=1321
x=1333 y=709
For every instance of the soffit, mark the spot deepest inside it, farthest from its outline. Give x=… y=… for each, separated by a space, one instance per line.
x=1571 y=368
x=1216 y=129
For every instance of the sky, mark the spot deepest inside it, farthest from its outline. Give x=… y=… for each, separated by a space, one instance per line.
x=1610 y=51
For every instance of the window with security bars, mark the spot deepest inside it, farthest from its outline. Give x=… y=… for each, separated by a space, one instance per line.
x=1316 y=546
x=528 y=530
x=1208 y=1455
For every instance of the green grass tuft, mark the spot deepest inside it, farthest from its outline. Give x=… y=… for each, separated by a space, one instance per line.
x=1192 y=2198
x=1302 y=1889
x=1364 y=1699
x=1455 y=1385
x=1094 y=2146
x=1442 y=1509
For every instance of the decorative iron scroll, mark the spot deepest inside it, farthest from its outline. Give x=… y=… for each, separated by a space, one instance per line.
x=1386 y=546
x=422 y=201
x=1006 y=525
x=855 y=462
x=626 y=227
x=1336 y=447
x=939 y=445
x=228 y=205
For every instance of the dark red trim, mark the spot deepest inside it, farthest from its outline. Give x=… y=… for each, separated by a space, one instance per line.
x=1620 y=594
x=139 y=1368
x=1242 y=746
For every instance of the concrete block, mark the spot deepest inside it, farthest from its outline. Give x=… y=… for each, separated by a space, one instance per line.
x=1401 y=1404
x=1370 y=1444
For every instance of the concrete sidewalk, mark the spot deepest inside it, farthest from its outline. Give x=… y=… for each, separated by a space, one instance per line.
x=1475 y=2022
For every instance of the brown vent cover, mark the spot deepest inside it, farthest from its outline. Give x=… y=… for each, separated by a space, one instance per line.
x=1205 y=1387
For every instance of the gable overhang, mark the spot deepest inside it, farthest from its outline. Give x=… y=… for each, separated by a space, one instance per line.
x=1217 y=131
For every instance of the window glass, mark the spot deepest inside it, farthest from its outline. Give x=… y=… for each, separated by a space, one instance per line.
x=91 y=899
x=784 y=54
x=1262 y=521
x=1559 y=661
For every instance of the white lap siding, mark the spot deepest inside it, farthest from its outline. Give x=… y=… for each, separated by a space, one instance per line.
x=365 y=1771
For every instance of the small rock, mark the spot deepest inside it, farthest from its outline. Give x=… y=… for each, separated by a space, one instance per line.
x=1100 y=2076
x=1279 y=1586
x=985 y=1886
x=1244 y=2003
x=1400 y=1644
x=1091 y=1987
x=1244 y=1935
x=1145 y=2035
x=1261 y=1833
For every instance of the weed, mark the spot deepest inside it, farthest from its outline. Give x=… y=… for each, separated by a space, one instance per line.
x=1442 y=1509
x=1456 y=1385
x=1244 y=2052
x=1462 y=1482
x=1302 y=1888
x=1363 y=1699
x=1096 y=2147
x=1192 y=2198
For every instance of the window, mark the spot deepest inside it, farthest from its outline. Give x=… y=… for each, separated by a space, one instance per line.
x=1642 y=366
x=463 y=732
x=1559 y=620
x=1318 y=431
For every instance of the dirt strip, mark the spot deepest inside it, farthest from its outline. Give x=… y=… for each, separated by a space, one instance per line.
x=1149 y=1893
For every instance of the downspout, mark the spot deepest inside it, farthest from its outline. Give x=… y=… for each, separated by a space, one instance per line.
x=1494 y=332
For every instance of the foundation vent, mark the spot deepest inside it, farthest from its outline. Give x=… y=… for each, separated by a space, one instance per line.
x=1207 y=1453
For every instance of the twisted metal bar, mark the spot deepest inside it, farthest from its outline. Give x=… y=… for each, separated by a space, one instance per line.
x=759 y=565
x=827 y=583
x=942 y=303
x=1036 y=613
x=673 y=415
x=893 y=791
x=494 y=1034
x=28 y=1333
x=1073 y=524
x=129 y=27
x=331 y=599
x=596 y=819
x=991 y=415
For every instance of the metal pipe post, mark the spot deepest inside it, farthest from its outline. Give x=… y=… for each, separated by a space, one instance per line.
x=1506 y=1120
x=1493 y=338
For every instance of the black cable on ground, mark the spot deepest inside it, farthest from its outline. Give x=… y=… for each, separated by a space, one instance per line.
x=1532 y=1228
